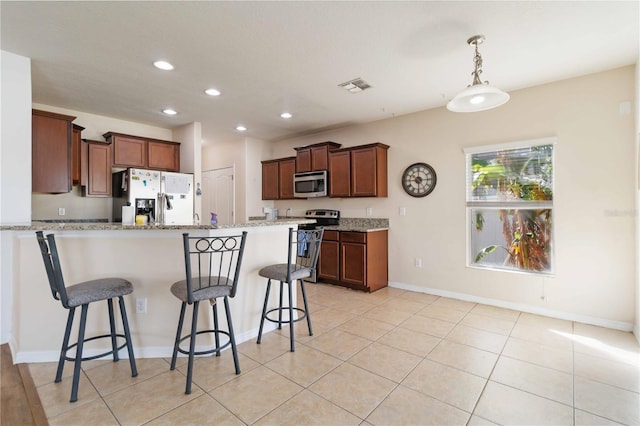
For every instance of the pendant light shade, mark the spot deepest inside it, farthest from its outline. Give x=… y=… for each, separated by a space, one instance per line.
x=479 y=95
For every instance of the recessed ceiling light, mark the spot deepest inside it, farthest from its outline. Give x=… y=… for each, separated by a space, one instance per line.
x=241 y=128
x=212 y=92
x=286 y=115
x=169 y=111
x=163 y=65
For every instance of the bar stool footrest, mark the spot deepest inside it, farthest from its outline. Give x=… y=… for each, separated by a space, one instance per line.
x=286 y=321
x=89 y=358
x=209 y=351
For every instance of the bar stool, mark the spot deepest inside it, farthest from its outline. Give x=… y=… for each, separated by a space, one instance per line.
x=302 y=258
x=212 y=267
x=83 y=294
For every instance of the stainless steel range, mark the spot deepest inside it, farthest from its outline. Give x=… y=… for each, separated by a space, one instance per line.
x=323 y=217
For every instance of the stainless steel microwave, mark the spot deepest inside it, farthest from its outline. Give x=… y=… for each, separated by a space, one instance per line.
x=310 y=184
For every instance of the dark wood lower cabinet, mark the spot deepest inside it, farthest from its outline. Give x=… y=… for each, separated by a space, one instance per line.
x=329 y=261
x=357 y=260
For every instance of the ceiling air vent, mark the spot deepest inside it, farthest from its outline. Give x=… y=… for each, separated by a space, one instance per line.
x=356 y=85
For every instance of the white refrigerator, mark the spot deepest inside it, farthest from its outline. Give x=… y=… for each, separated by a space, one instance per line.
x=175 y=200
x=165 y=197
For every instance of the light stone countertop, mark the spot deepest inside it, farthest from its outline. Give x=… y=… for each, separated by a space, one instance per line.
x=116 y=226
x=346 y=224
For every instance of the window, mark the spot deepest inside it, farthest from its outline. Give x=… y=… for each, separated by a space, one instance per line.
x=510 y=206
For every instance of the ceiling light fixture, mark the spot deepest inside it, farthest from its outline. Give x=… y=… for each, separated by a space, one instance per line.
x=212 y=92
x=479 y=95
x=163 y=65
x=286 y=115
x=241 y=128
x=169 y=111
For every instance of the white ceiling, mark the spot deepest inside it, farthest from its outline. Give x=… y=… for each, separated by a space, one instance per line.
x=268 y=57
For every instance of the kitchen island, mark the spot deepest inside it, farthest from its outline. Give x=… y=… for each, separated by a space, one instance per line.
x=151 y=257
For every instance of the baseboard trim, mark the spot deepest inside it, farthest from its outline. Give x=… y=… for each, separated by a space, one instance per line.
x=585 y=319
x=140 y=352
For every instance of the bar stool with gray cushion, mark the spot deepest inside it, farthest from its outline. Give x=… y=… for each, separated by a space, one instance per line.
x=302 y=259
x=212 y=266
x=83 y=294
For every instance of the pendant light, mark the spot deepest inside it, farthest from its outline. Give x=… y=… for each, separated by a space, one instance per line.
x=478 y=96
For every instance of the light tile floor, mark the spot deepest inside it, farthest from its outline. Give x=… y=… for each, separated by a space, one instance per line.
x=393 y=357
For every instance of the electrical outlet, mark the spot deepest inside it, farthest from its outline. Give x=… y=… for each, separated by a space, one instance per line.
x=402 y=211
x=418 y=262
x=141 y=305
x=61 y=211
x=369 y=211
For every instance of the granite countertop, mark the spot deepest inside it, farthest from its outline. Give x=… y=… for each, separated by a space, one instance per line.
x=346 y=224
x=360 y=225
x=84 y=225
x=349 y=224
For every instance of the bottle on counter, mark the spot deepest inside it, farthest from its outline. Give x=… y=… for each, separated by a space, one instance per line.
x=214 y=218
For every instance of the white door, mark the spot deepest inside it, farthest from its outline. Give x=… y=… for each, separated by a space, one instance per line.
x=218 y=195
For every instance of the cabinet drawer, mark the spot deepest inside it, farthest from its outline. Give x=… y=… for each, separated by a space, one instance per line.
x=353 y=237
x=331 y=236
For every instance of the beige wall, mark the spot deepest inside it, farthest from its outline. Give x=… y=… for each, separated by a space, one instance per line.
x=594 y=197
x=244 y=155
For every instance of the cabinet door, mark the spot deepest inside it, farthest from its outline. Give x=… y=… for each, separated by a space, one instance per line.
x=164 y=156
x=319 y=158
x=270 y=180
x=329 y=259
x=76 y=154
x=303 y=160
x=353 y=258
x=363 y=172
x=50 y=152
x=287 y=169
x=99 y=170
x=129 y=152
x=340 y=174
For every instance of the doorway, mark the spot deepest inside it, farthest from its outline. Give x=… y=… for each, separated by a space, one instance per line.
x=218 y=195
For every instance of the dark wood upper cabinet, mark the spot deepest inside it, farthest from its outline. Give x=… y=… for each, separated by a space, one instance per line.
x=270 y=179
x=128 y=151
x=144 y=153
x=51 y=152
x=369 y=171
x=164 y=155
x=277 y=178
x=359 y=171
x=314 y=157
x=76 y=153
x=340 y=173
x=287 y=168
x=98 y=169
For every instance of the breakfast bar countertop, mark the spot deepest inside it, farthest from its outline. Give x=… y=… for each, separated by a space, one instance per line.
x=117 y=226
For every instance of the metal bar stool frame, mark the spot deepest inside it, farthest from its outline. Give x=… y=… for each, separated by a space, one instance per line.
x=214 y=275
x=88 y=292
x=302 y=260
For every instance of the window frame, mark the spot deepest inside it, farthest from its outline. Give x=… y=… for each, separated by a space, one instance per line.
x=497 y=205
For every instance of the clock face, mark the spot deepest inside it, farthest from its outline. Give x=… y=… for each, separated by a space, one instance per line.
x=419 y=179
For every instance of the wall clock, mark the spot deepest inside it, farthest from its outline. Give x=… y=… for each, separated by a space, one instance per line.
x=419 y=180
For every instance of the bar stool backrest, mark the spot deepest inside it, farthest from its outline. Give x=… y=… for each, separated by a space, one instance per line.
x=213 y=261
x=304 y=248
x=52 y=265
